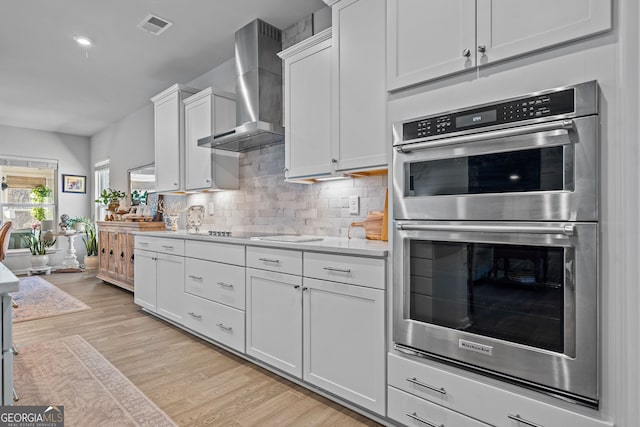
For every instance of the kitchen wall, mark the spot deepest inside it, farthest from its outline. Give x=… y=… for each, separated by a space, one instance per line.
x=266 y=203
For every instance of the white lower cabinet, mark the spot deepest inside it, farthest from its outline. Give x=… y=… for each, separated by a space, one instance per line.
x=216 y=321
x=274 y=319
x=484 y=402
x=145 y=280
x=170 y=286
x=413 y=411
x=343 y=331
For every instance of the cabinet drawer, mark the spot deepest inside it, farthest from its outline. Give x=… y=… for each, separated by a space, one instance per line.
x=216 y=321
x=159 y=244
x=218 y=252
x=412 y=411
x=478 y=400
x=214 y=281
x=280 y=260
x=353 y=270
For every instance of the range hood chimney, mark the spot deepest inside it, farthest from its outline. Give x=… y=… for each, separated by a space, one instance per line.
x=258 y=91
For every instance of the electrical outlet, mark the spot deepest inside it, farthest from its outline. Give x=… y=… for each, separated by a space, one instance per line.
x=210 y=208
x=354 y=205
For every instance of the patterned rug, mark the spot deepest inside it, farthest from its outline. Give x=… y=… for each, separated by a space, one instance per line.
x=71 y=373
x=38 y=298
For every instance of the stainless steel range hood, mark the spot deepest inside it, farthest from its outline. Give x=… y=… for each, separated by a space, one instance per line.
x=258 y=91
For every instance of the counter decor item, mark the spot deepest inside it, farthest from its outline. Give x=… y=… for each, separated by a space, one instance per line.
x=372 y=225
x=111 y=199
x=171 y=212
x=195 y=217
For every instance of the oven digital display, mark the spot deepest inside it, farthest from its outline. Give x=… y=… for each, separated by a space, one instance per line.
x=481 y=117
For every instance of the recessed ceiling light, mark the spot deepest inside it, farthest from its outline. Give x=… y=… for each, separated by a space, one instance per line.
x=83 y=41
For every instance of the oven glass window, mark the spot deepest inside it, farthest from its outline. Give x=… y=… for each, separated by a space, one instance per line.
x=540 y=169
x=509 y=292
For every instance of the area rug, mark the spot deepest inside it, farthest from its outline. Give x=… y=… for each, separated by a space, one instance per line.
x=69 y=372
x=38 y=298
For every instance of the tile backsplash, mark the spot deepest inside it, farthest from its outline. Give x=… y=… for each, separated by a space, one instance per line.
x=266 y=203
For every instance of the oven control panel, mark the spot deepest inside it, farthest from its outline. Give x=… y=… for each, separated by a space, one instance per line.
x=514 y=110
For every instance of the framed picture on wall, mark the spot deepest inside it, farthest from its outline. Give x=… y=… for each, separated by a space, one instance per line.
x=74 y=184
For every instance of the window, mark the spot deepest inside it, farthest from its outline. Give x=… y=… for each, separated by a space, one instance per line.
x=101 y=180
x=17 y=201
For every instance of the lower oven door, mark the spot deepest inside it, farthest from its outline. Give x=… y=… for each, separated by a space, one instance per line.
x=518 y=301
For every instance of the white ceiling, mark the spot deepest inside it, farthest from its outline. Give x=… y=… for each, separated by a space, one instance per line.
x=47 y=82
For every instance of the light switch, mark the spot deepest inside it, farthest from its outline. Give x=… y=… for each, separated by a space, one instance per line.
x=354 y=205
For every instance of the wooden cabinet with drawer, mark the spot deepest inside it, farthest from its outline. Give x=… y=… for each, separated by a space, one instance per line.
x=115 y=250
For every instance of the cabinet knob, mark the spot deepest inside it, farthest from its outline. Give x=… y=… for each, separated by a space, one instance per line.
x=334 y=160
x=482 y=48
x=111 y=252
x=122 y=255
x=102 y=250
x=466 y=53
x=208 y=181
x=132 y=257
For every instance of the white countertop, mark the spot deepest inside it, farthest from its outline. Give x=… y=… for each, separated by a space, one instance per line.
x=8 y=281
x=342 y=245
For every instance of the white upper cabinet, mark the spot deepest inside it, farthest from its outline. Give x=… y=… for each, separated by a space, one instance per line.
x=360 y=137
x=307 y=107
x=168 y=121
x=209 y=112
x=429 y=40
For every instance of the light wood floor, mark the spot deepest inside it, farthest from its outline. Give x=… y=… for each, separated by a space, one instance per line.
x=194 y=382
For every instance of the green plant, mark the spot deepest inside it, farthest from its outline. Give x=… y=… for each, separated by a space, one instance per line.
x=71 y=222
x=36 y=243
x=90 y=240
x=109 y=196
x=39 y=194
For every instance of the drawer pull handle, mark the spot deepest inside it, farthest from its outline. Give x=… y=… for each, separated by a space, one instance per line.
x=167 y=247
x=195 y=277
x=340 y=270
x=269 y=260
x=226 y=328
x=226 y=285
x=144 y=243
x=195 y=316
x=415 y=381
x=422 y=420
x=519 y=419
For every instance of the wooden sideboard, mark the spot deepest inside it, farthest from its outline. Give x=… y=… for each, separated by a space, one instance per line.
x=115 y=250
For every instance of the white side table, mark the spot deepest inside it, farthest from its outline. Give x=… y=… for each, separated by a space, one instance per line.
x=70 y=259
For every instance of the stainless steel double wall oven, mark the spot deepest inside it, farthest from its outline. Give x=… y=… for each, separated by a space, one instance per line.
x=496 y=264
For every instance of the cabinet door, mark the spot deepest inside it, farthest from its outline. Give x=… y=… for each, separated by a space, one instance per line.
x=274 y=319
x=167 y=142
x=513 y=27
x=344 y=341
x=129 y=258
x=360 y=136
x=103 y=251
x=113 y=260
x=144 y=293
x=170 y=283
x=307 y=86
x=429 y=39
x=121 y=257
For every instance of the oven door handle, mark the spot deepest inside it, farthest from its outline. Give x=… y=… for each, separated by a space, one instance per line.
x=565 y=125
x=567 y=229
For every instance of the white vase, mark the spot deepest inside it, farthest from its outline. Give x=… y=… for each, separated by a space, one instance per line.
x=39 y=260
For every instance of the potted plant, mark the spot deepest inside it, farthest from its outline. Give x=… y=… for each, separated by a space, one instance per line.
x=38 y=245
x=138 y=197
x=111 y=199
x=91 y=245
x=40 y=194
x=79 y=223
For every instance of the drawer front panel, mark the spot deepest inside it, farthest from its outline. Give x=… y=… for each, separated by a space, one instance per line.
x=214 y=281
x=361 y=271
x=412 y=411
x=213 y=251
x=216 y=321
x=159 y=244
x=279 y=260
x=478 y=400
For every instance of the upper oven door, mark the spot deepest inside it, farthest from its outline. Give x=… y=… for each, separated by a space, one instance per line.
x=538 y=172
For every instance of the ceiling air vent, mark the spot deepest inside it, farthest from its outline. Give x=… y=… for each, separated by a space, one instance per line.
x=155 y=25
